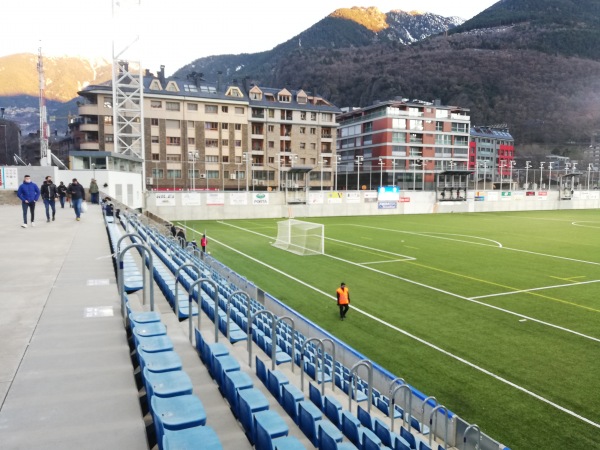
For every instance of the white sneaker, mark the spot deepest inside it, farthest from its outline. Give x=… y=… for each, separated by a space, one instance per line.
x=23 y=225
x=33 y=224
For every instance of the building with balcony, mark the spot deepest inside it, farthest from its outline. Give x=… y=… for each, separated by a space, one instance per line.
x=491 y=154
x=205 y=135
x=402 y=143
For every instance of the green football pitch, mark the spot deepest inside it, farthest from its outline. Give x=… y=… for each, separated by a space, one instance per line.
x=497 y=315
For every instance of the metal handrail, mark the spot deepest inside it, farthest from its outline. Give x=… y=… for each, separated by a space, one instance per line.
x=279 y=320
x=120 y=276
x=394 y=392
x=177 y=273
x=191 y=299
x=326 y=339
x=228 y=307
x=469 y=428
x=304 y=344
x=433 y=426
x=249 y=330
x=354 y=373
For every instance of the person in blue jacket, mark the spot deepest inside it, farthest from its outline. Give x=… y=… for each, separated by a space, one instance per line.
x=29 y=193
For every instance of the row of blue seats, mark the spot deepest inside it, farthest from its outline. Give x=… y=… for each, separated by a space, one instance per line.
x=264 y=428
x=178 y=415
x=132 y=278
x=262 y=335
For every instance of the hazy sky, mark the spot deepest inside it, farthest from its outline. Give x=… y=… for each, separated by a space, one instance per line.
x=175 y=32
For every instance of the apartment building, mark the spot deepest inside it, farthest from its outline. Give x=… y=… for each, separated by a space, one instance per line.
x=401 y=142
x=213 y=135
x=491 y=153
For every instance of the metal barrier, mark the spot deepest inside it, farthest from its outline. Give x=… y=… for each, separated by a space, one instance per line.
x=120 y=276
x=394 y=391
x=352 y=391
x=433 y=425
x=469 y=428
x=191 y=300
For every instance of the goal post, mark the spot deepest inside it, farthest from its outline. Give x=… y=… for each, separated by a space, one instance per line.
x=301 y=238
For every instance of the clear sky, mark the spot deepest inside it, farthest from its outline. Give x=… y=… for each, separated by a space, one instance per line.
x=175 y=32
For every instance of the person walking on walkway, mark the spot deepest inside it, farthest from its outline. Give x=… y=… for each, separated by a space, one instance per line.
x=61 y=189
x=77 y=197
x=94 y=192
x=343 y=300
x=29 y=193
x=49 y=194
x=203 y=243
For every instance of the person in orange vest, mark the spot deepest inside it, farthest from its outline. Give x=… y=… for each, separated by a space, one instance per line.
x=343 y=300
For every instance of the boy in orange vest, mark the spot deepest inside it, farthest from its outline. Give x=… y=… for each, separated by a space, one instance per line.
x=343 y=300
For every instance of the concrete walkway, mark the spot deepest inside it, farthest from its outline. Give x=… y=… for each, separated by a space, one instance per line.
x=65 y=371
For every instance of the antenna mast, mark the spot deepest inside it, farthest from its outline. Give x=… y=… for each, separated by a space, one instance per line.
x=45 y=158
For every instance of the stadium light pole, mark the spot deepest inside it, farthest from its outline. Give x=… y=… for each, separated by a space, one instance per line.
x=393 y=172
x=359 y=160
x=338 y=158
x=381 y=163
x=550 y=175
x=193 y=156
x=527 y=167
x=588 y=177
x=246 y=159
x=541 y=174
x=322 y=162
x=512 y=165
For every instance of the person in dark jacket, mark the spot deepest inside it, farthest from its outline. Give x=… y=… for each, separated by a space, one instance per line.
x=77 y=197
x=49 y=194
x=61 y=189
x=29 y=193
x=94 y=192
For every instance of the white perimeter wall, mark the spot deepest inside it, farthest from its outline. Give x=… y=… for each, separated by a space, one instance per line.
x=254 y=205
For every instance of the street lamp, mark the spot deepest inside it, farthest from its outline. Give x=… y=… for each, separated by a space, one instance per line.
x=541 y=173
x=550 y=175
x=567 y=165
x=512 y=165
x=393 y=172
x=381 y=163
x=359 y=160
x=527 y=167
x=338 y=158
x=247 y=160
x=588 y=178
x=322 y=162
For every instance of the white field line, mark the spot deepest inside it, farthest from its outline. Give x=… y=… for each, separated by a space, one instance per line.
x=407 y=258
x=442 y=291
x=416 y=338
x=536 y=289
x=386 y=261
x=433 y=235
x=579 y=224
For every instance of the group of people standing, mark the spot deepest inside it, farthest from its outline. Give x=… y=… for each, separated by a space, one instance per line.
x=29 y=193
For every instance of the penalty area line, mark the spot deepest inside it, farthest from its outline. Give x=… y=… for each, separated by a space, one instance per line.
x=418 y=339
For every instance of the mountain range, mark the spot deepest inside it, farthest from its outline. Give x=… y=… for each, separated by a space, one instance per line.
x=532 y=65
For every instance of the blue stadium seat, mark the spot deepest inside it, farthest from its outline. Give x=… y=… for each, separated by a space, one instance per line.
x=382 y=431
x=370 y=441
x=308 y=418
x=333 y=410
x=189 y=438
x=276 y=379
x=167 y=384
x=408 y=437
x=351 y=427
x=159 y=361
x=223 y=364
x=261 y=371
x=250 y=401
x=314 y=395
x=364 y=417
x=235 y=381
x=291 y=396
x=268 y=425
x=288 y=443
x=329 y=436
x=176 y=413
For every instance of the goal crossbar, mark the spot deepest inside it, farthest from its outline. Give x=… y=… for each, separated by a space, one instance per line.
x=301 y=238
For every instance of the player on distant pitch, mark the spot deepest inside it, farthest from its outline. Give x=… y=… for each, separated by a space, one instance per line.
x=343 y=300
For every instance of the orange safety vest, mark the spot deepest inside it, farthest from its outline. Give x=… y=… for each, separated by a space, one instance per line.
x=342 y=296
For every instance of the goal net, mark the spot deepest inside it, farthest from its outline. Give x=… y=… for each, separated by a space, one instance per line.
x=301 y=238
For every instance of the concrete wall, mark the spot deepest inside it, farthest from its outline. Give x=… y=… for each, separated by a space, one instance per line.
x=123 y=186
x=255 y=205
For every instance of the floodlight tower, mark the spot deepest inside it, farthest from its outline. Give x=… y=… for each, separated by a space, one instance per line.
x=45 y=155
x=128 y=82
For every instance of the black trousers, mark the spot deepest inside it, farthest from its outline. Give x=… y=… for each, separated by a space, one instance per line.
x=343 y=310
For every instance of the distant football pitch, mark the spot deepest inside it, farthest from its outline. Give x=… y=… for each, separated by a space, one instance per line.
x=497 y=315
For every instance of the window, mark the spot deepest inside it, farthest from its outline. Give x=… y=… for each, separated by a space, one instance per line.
x=108 y=102
x=327 y=117
x=191 y=141
x=212 y=174
x=211 y=109
x=238 y=143
x=234 y=92
x=157 y=173
x=155 y=139
x=301 y=99
x=155 y=156
x=193 y=173
x=172 y=174
x=173 y=124
x=271 y=128
x=313 y=116
x=313 y=146
x=302 y=115
x=173 y=140
x=285 y=98
x=225 y=109
x=157 y=104
x=211 y=142
x=313 y=131
x=109 y=138
x=212 y=159
x=225 y=158
x=439 y=126
x=459 y=127
x=271 y=144
x=240 y=110
x=399 y=137
x=271 y=113
x=154 y=122
x=192 y=106
x=238 y=126
x=173 y=158
x=302 y=145
x=108 y=120
x=302 y=130
x=225 y=143
x=211 y=126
